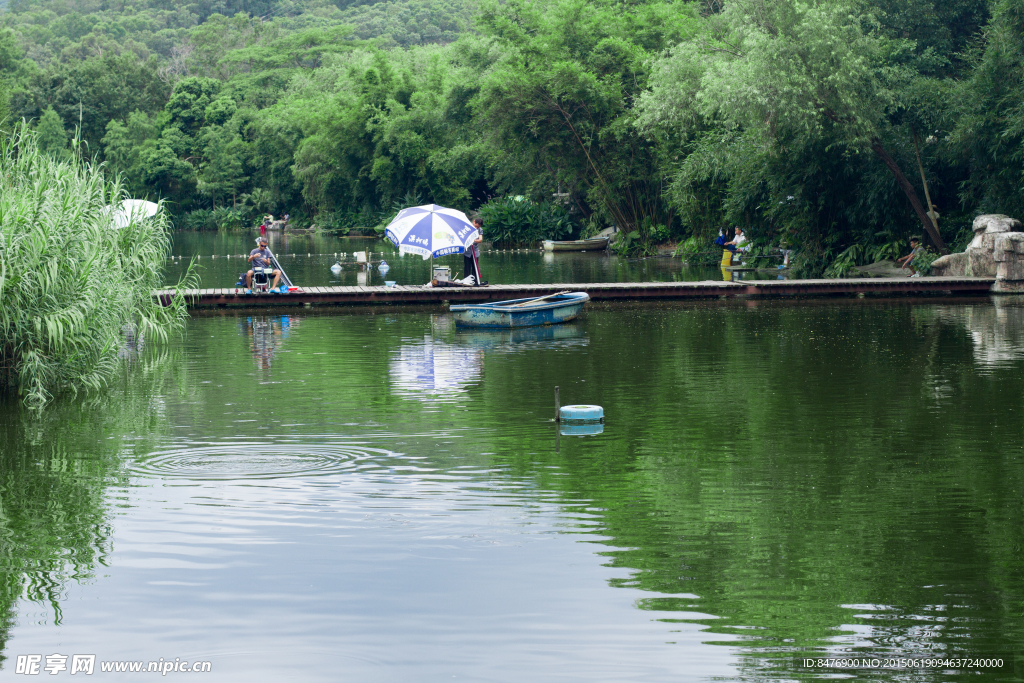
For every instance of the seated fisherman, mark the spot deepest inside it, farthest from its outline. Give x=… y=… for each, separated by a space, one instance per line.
x=738 y=241
x=261 y=257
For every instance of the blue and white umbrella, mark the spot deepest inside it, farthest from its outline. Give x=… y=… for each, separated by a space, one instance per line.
x=430 y=231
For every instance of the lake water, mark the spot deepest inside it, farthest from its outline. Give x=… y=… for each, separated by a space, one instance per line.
x=308 y=259
x=382 y=497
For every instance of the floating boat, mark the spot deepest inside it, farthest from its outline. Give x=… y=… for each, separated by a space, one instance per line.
x=544 y=310
x=592 y=244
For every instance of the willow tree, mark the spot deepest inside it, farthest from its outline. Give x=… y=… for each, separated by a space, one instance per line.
x=783 y=72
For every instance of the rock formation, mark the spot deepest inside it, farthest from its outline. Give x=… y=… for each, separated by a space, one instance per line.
x=997 y=250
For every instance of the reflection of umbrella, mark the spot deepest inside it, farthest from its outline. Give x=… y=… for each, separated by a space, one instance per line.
x=434 y=370
x=430 y=231
x=131 y=210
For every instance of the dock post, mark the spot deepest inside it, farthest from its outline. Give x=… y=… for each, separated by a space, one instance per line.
x=557 y=407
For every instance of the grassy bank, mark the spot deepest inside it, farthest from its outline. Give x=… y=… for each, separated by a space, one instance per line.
x=72 y=284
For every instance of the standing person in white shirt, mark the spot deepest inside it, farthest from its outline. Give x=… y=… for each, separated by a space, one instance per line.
x=471 y=260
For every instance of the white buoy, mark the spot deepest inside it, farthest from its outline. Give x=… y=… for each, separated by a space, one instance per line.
x=383 y=268
x=336 y=268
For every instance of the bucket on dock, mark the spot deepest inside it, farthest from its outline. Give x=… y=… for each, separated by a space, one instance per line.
x=442 y=273
x=726 y=258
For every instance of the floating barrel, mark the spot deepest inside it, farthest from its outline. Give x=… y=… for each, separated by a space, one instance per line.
x=581 y=413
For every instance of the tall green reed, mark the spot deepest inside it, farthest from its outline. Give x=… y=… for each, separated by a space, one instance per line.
x=72 y=284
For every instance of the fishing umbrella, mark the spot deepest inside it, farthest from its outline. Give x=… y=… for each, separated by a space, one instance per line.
x=123 y=213
x=430 y=231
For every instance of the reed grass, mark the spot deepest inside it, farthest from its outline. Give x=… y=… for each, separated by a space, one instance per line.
x=72 y=283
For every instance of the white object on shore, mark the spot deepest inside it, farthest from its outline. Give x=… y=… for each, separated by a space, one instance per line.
x=130 y=209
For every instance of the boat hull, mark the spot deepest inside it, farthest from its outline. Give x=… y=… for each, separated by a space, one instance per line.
x=504 y=314
x=595 y=244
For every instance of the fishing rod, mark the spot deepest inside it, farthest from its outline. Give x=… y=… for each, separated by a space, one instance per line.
x=285 y=280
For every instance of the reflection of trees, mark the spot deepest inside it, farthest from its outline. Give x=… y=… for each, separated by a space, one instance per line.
x=55 y=468
x=793 y=480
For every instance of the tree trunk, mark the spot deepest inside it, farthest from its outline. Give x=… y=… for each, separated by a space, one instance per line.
x=908 y=190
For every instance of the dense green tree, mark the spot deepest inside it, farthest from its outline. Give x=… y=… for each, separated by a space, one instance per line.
x=222 y=172
x=53 y=138
x=188 y=104
x=94 y=92
x=941 y=31
x=123 y=144
x=162 y=168
x=556 y=97
x=787 y=84
x=989 y=117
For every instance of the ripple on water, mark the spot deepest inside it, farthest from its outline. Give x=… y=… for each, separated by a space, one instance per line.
x=243 y=460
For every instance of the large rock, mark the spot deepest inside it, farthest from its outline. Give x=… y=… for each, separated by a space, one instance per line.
x=980 y=262
x=997 y=250
x=991 y=223
x=1007 y=245
x=951 y=265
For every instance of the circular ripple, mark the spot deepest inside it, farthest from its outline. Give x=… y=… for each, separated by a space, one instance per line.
x=256 y=460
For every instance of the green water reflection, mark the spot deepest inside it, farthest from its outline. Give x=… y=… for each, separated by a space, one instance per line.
x=785 y=480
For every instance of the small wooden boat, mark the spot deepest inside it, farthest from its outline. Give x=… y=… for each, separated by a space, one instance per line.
x=592 y=244
x=544 y=310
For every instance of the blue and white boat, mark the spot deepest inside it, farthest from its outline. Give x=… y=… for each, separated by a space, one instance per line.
x=544 y=310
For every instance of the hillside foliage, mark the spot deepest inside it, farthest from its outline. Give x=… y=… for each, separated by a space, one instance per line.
x=809 y=123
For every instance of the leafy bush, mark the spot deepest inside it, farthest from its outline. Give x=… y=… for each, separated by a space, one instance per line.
x=196 y=220
x=221 y=218
x=924 y=260
x=643 y=241
x=72 y=284
x=510 y=221
x=698 y=251
x=846 y=262
x=340 y=222
x=227 y=218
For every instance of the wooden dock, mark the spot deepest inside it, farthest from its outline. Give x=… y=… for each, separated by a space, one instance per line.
x=341 y=296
